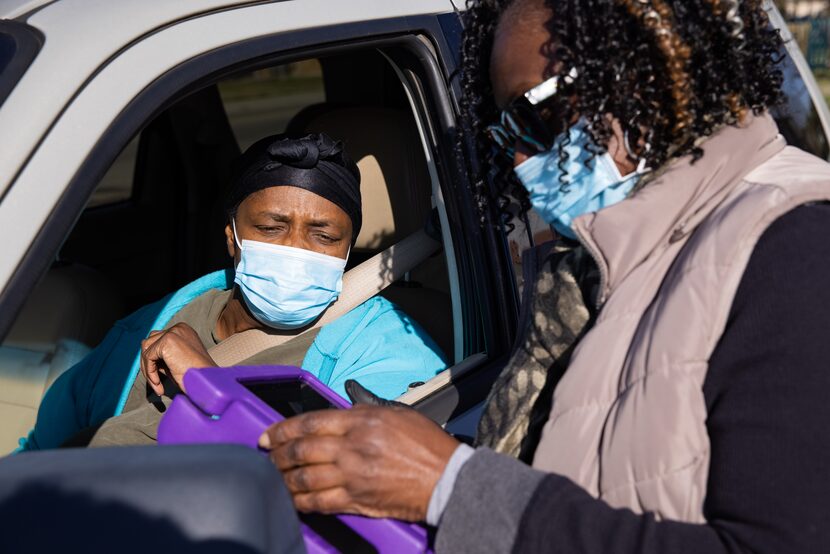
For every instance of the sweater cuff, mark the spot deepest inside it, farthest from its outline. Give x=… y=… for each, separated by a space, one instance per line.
x=443 y=489
x=487 y=504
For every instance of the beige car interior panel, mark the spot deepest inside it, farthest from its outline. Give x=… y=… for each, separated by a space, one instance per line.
x=68 y=313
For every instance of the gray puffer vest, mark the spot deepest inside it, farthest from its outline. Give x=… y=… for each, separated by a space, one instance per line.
x=628 y=418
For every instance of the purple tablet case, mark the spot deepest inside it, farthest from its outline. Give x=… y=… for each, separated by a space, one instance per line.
x=219 y=408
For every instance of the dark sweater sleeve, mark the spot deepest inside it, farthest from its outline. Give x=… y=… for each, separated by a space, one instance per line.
x=768 y=397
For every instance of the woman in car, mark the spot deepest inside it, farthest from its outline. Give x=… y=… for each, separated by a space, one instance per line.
x=670 y=391
x=294 y=212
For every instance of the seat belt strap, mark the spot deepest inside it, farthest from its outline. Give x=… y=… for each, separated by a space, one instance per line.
x=359 y=285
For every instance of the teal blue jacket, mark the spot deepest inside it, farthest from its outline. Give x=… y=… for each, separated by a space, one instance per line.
x=376 y=344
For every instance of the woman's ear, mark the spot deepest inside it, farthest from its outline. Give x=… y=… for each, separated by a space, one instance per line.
x=619 y=153
x=230 y=241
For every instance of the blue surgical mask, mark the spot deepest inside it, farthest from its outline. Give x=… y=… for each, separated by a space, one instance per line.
x=588 y=186
x=286 y=287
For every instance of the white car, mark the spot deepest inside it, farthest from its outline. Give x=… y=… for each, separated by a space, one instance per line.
x=119 y=120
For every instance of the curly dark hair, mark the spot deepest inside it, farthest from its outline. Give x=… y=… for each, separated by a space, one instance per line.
x=678 y=69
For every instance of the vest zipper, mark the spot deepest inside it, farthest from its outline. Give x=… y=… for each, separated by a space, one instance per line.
x=603 y=271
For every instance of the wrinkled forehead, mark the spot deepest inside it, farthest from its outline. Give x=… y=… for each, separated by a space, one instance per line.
x=293 y=202
x=517 y=62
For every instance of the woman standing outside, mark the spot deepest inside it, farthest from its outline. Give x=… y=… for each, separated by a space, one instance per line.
x=680 y=334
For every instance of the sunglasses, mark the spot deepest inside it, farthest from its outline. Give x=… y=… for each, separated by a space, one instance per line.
x=522 y=119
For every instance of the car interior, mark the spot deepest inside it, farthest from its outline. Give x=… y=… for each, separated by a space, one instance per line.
x=155 y=221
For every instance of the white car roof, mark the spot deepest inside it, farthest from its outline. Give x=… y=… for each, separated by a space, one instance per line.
x=81 y=35
x=12 y=9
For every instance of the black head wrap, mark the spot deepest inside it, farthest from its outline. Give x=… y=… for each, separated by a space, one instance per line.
x=315 y=163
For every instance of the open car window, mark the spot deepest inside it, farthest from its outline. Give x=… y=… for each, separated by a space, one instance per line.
x=161 y=201
x=262 y=102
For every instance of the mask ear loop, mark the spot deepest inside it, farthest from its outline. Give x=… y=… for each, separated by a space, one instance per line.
x=641 y=164
x=235 y=234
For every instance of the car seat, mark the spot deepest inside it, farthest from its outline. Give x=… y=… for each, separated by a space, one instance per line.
x=396 y=193
x=66 y=315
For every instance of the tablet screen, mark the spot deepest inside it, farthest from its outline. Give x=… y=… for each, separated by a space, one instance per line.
x=288 y=398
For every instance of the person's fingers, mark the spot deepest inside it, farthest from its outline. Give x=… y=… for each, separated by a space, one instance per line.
x=154 y=379
x=313 y=478
x=329 y=501
x=321 y=422
x=151 y=339
x=179 y=329
x=142 y=362
x=359 y=394
x=150 y=358
x=307 y=450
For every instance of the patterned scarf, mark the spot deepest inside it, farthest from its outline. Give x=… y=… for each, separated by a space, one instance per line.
x=556 y=312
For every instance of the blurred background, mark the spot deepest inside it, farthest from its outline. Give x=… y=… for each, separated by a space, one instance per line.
x=809 y=21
